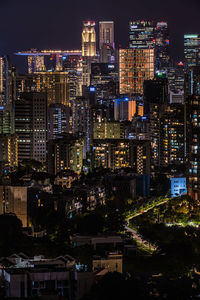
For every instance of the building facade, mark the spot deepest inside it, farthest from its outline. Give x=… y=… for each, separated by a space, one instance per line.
x=121 y=153
x=13 y=199
x=31 y=126
x=65 y=154
x=192 y=50
x=135 y=66
x=141 y=34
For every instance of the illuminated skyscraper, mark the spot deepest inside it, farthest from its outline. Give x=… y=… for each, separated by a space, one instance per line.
x=88 y=50
x=135 y=66
x=104 y=76
x=161 y=46
x=192 y=131
x=172 y=135
x=7 y=81
x=106 y=33
x=55 y=84
x=89 y=39
x=36 y=64
x=58 y=120
x=192 y=50
x=155 y=103
x=175 y=75
x=106 y=41
x=141 y=34
x=192 y=81
x=31 y=126
x=124 y=109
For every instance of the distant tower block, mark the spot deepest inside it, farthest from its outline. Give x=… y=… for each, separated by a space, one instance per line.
x=88 y=39
x=106 y=41
x=36 y=63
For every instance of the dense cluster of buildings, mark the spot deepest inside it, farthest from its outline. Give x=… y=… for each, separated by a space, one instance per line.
x=103 y=107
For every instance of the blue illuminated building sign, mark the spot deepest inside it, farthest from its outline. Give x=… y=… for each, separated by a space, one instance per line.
x=92 y=89
x=144 y=118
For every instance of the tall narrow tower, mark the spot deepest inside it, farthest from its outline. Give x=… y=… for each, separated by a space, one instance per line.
x=106 y=41
x=88 y=50
x=192 y=50
x=88 y=39
x=106 y=33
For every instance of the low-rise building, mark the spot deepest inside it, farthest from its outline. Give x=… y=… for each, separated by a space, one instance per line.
x=114 y=241
x=28 y=277
x=113 y=262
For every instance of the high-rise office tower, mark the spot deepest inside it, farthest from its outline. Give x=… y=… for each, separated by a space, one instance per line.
x=88 y=50
x=175 y=75
x=58 y=120
x=156 y=111
x=135 y=66
x=155 y=102
x=36 y=63
x=55 y=84
x=106 y=41
x=73 y=65
x=155 y=92
x=192 y=131
x=82 y=121
x=26 y=83
x=74 y=80
x=192 y=81
x=141 y=34
x=106 y=33
x=192 y=50
x=31 y=126
x=125 y=109
x=161 y=46
x=7 y=81
x=104 y=77
x=89 y=39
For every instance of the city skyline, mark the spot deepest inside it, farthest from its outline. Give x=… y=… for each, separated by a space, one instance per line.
x=54 y=30
x=100 y=150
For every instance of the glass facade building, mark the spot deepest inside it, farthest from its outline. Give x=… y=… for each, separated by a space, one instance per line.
x=192 y=49
x=135 y=66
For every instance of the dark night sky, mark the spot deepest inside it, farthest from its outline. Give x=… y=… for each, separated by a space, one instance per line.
x=26 y=24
